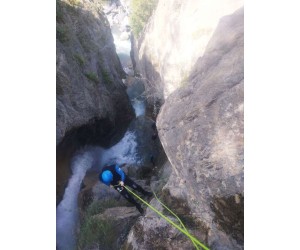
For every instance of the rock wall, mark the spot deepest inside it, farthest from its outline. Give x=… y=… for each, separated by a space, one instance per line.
x=201 y=129
x=92 y=106
x=89 y=74
x=176 y=37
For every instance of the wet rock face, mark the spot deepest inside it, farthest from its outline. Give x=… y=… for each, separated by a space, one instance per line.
x=148 y=144
x=135 y=88
x=89 y=72
x=201 y=130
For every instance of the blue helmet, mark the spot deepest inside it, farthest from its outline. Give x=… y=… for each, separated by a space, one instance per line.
x=107 y=176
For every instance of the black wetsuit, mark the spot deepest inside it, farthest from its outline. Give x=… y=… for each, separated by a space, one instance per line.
x=119 y=175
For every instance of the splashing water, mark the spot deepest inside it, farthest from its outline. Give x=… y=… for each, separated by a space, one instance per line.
x=139 y=107
x=123 y=152
x=123 y=46
x=67 y=210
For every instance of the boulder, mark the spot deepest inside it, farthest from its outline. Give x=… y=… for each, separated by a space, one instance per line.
x=153 y=232
x=201 y=129
x=120 y=214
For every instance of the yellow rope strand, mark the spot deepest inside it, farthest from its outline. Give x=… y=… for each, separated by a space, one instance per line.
x=181 y=223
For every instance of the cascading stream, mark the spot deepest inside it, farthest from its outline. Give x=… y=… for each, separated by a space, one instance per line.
x=67 y=210
x=121 y=32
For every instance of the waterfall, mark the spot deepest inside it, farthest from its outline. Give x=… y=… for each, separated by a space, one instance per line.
x=67 y=210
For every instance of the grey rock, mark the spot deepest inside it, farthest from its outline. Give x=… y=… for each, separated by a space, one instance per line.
x=201 y=129
x=153 y=232
x=175 y=37
x=121 y=214
x=88 y=69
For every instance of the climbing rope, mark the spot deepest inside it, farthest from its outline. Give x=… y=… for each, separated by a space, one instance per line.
x=195 y=241
x=181 y=223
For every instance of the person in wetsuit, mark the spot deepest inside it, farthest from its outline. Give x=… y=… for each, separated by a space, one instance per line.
x=114 y=176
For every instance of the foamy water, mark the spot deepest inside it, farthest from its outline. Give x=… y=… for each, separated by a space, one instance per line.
x=123 y=152
x=139 y=107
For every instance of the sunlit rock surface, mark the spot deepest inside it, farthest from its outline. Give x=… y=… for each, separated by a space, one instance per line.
x=176 y=37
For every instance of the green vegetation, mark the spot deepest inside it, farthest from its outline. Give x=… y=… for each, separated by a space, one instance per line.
x=74 y=2
x=92 y=76
x=98 y=231
x=98 y=207
x=106 y=76
x=141 y=12
x=59 y=12
x=83 y=40
x=79 y=59
x=62 y=33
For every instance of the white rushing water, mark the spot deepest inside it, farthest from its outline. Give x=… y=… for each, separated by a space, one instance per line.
x=139 y=107
x=67 y=210
x=123 y=152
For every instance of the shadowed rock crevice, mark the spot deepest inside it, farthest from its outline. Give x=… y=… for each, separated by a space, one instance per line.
x=152 y=80
x=229 y=215
x=180 y=207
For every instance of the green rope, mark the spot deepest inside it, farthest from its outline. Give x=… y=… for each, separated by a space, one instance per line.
x=181 y=223
x=192 y=238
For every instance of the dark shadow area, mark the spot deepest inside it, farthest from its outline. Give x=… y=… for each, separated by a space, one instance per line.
x=154 y=88
x=229 y=215
x=98 y=132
